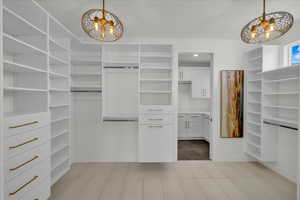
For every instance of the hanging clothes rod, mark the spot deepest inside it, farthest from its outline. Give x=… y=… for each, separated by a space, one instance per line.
x=121 y=67
x=92 y=91
x=280 y=125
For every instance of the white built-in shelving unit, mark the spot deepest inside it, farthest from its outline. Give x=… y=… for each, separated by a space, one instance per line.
x=156 y=75
x=254 y=87
x=272 y=102
x=59 y=97
x=36 y=84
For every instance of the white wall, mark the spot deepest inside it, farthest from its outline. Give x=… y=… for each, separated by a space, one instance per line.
x=1 y=109
x=114 y=142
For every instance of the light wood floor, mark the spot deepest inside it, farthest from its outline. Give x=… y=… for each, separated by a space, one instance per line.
x=185 y=180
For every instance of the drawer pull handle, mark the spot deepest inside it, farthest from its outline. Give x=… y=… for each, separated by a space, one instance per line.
x=23 y=186
x=25 y=163
x=196 y=116
x=155 y=126
x=22 y=125
x=155 y=119
x=27 y=142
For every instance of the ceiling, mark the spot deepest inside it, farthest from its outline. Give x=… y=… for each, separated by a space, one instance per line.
x=172 y=18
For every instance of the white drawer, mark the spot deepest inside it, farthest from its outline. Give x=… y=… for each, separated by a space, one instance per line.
x=42 y=192
x=156 y=143
x=24 y=123
x=156 y=109
x=156 y=118
x=21 y=185
x=25 y=161
x=26 y=141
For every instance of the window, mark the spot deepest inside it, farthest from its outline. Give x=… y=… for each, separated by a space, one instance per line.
x=295 y=54
x=292 y=54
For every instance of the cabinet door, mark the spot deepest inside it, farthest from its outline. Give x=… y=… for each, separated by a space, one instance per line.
x=201 y=83
x=156 y=143
x=195 y=126
x=185 y=74
x=182 y=126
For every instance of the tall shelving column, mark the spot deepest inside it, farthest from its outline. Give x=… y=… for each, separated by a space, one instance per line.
x=254 y=59
x=280 y=108
x=25 y=100
x=156 y=75
x=156 y=104
x=59 y=98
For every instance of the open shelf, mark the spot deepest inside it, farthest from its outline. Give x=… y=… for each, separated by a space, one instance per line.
x=59 y=171
x=13 y=45
x=20 y=10
x=14 y=25
x=20 y=68
x=156 y=91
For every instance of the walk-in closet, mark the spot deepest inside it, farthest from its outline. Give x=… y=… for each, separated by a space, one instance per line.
x=149 y=100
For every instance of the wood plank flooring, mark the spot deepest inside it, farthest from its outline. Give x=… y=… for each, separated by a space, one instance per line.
x=185 y=180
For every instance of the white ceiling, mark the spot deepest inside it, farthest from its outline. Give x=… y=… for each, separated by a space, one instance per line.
x=172 y=18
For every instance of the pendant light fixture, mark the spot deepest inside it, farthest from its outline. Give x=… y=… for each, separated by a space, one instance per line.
x=267 y=27
x=102 y=25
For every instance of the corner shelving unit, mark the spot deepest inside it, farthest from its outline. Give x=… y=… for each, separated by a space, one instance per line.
x=272 y=102
x=59 y=98
x=254 y=88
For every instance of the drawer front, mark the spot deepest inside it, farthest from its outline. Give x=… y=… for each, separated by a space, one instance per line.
x=25 y=161
x=26 y=141
x=21 y=124
x=156 y=118
x=42 y=192
x=26 y=182
x=156 y=109
x=156 y=143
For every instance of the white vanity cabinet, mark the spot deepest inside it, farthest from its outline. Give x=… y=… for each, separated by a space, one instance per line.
x=190 y=126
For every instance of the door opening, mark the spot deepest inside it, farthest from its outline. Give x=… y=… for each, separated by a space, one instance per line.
x=194 y=105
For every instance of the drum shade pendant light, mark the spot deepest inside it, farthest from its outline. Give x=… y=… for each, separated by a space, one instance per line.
x=102 y=25
x=267 y=27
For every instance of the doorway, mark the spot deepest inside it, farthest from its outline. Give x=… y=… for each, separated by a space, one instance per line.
x=194 y=105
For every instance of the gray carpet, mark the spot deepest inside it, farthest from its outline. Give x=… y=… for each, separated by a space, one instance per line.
x=193 y=150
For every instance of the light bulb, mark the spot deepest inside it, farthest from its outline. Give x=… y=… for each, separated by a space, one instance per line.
x=267 y=34
x=96 y=23
x=102 y=31
x=271 y=27
x=96 y=26
x=253 y=35
x=111 y=29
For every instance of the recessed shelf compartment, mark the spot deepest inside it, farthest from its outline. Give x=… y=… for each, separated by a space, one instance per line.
x=13 y=45
x=59 y=171
x=24 y=102
x=60 y=158
x=21 y=8
x=16 y=26
x=120 y=55
x=17 y=78
x=155 y=99
x=10 y=66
